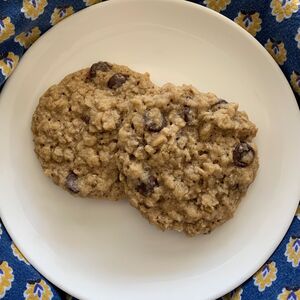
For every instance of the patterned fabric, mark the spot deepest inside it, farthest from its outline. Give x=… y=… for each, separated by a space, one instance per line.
x=274 y=23
x=18 y=279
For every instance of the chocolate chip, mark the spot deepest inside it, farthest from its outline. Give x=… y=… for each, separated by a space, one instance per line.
x=71 y=182
x=189 y=114
x=116 y=81
x=243 y=155
x=154 y=120
x=218 y=105
x=85 y=119
x=186 y=113
x=236 y=187
x=102 y=66
x=146 y=188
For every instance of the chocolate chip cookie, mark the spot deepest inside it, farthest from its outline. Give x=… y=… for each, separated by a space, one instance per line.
x=186 y=158
x=75 y=128
x=183 y=158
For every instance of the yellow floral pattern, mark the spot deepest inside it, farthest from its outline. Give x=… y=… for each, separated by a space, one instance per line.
x=234 y=295
x=32 y=9
x=60 y=13
x=289 y=294
x=38 y=290
x=7 y=29
x=277 y=50
x=91 y=2
x=250 y=21
x=26 y=39
x=283 y=9
x=297 y=37
x=217 y=5
x=6 y=278
x=292 y=251
x=17 y=253
x=265 y=276
x=8 y=62
x=295 y=82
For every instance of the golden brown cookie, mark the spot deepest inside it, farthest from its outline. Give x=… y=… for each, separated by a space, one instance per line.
x=75 y=128
x=186 y=158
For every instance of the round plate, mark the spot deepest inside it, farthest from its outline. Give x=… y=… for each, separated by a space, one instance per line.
x=96 y=249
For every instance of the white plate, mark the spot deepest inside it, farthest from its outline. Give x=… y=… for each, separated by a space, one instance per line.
x=106 y=250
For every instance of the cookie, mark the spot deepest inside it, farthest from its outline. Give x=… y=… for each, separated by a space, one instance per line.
x=186 y=158
x=118 y=80
x=75 y=128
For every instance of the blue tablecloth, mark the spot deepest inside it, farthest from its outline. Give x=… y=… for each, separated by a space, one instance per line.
x=275 y=24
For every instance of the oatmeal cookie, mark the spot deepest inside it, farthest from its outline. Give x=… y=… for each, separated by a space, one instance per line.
x=118 y=80
x=75 y=128
x=186 y=158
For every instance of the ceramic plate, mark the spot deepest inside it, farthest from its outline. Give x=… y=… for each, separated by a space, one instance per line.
x=97 y=249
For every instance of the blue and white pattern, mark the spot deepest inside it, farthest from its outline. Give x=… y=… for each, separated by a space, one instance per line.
x=274 y=23
x=18 y=279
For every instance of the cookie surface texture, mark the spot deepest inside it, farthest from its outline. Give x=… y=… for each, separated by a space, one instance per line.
x=186 y=158
x=75 y=128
